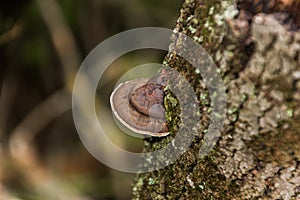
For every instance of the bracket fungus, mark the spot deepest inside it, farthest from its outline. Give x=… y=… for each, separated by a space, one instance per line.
x=139 y=105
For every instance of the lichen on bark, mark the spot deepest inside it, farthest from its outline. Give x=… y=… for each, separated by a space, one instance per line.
x=258 y=153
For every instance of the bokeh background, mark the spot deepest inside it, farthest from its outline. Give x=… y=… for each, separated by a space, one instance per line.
x=42 y=44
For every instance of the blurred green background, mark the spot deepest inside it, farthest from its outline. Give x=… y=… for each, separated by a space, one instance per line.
x=42 y=44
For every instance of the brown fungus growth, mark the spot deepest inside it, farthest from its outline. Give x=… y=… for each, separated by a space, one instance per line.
x=139 y=105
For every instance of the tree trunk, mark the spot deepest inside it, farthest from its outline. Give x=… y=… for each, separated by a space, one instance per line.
x=256 y=46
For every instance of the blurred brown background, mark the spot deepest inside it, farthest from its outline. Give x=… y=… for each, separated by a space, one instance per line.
x=42 y=44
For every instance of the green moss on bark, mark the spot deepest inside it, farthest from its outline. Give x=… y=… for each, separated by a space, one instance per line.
x=190 y=177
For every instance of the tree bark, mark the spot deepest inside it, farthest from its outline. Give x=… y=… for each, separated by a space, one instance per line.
x=256 y=46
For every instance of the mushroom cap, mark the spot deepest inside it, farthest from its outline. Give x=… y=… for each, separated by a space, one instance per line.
x=128 y=113
x=149 y=100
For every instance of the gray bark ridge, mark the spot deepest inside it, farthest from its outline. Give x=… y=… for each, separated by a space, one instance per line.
x=261 y=145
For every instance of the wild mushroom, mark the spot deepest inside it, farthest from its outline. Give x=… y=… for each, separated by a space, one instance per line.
x=138 y=105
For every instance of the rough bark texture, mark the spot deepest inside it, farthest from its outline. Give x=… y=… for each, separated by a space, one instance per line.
x=257 y=50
